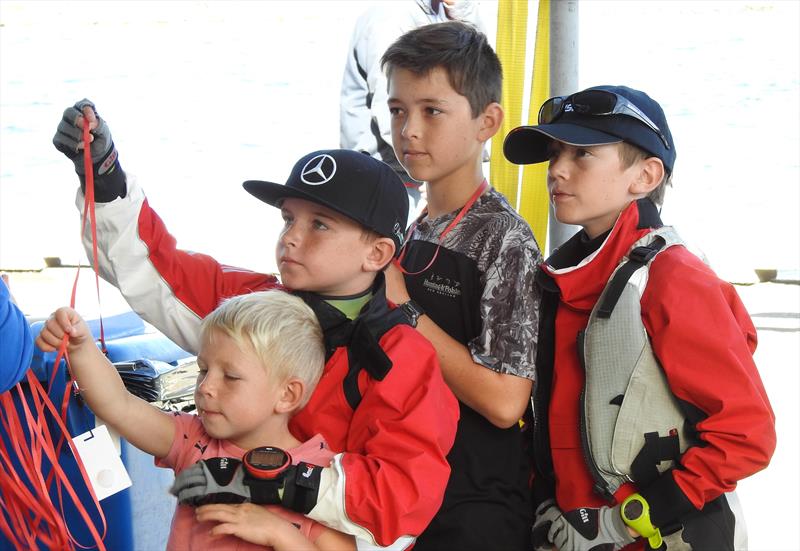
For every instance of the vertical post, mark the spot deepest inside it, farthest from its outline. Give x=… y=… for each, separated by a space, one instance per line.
x=563 y=80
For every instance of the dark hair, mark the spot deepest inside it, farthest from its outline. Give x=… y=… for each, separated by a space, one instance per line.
x=460 y=49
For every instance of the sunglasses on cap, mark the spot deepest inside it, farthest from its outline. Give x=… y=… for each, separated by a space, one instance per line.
x=595 y=103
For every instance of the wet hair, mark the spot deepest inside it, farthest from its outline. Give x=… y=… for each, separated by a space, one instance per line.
x=280 y=328
x=629 y=154
x=472 y=67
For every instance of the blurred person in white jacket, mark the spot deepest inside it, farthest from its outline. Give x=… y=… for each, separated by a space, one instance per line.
x=364 y=122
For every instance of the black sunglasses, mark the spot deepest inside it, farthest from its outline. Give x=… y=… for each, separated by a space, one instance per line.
x=595 y=103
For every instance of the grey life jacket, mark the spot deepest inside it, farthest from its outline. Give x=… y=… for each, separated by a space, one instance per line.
x=632 y=426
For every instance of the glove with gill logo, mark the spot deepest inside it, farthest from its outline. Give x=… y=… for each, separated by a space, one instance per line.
x=581 y=529
x=215 y=480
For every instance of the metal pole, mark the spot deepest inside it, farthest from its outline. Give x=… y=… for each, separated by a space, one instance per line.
x=563 y=80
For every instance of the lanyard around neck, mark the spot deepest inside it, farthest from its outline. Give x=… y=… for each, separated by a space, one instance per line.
x=463 y=212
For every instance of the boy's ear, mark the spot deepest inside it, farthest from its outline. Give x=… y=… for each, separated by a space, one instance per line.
x=651 y=173
x=491 y=119
x=381 y=252
x=291 y=397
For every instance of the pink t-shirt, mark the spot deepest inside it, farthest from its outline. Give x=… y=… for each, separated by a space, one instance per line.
x=191 y=444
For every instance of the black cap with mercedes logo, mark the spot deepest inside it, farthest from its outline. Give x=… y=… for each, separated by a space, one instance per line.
x=349 y=182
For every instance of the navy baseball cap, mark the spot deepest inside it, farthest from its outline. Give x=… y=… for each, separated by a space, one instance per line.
x=634 y=118
x=352 y=183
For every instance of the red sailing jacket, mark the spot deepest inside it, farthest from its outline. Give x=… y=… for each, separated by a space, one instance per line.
x=704 y=340
x=390 y=480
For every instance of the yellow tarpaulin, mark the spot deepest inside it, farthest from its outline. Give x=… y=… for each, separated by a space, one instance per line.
x=530 y=199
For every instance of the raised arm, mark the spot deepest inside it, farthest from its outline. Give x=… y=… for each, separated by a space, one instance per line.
x=146 y=427
x=170 y=288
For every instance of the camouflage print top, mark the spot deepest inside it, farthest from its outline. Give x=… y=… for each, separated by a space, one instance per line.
x=483 y=294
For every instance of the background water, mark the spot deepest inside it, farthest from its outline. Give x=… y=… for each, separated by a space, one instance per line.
x=201 y=96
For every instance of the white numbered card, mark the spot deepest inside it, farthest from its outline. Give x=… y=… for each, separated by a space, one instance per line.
x=100 y=457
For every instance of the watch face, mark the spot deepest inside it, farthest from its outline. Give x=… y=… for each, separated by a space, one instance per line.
x=267 y=458
x=267 y=462
x=633 y=509
x=412 y=312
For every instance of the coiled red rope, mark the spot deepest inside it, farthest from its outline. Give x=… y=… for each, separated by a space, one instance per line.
x=30 y=518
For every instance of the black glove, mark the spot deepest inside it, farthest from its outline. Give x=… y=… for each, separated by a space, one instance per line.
x=582 y=529
x=108 y=175
x=225 y=480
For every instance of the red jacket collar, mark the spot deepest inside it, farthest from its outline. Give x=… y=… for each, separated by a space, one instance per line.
x=582 y=279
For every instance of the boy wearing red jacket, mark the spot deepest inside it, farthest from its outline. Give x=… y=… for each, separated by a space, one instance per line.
x=611 y=155
x=381 y=400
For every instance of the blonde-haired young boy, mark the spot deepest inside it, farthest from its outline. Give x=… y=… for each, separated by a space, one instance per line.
x=260 y=358
x=285 y=339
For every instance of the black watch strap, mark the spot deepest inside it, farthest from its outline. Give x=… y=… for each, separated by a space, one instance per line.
x=264 y=492
x=413 y=311
x=296 y=488
x=301 y=487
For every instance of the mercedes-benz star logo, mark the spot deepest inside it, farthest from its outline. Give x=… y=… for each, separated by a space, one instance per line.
x=318 y=170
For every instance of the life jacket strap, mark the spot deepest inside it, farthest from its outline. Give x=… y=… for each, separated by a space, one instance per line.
x=656 y=449
x=637 y=257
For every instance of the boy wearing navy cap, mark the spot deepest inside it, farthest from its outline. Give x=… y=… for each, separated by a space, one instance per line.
x=381 y=400
x=643 y=428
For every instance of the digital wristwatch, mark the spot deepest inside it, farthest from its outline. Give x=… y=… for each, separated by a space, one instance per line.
x=635 y=512
x=412 y=311
x=266 y=462
x=272 y=479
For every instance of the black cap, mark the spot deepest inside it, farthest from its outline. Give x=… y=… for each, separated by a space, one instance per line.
x=354 y=184
x=528 y=144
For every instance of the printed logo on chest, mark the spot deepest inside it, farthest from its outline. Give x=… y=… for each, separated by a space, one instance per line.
x=443 y=286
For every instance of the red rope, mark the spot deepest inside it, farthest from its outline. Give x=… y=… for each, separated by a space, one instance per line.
x=28 y=516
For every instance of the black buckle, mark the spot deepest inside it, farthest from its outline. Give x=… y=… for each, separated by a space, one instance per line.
x=643 y=255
